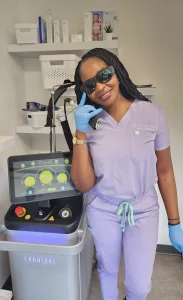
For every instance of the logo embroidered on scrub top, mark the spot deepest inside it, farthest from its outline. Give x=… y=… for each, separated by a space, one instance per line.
x=137 y=132
x=143 y=127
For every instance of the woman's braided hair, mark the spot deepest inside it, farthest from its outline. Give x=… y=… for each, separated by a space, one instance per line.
x=127 y=87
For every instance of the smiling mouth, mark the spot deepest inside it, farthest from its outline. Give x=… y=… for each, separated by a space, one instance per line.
x=106 y=96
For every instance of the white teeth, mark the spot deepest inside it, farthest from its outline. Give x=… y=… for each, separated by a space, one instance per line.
x=105 y=94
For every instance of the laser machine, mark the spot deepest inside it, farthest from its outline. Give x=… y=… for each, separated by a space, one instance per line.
x=50 y=247
x=45 y=230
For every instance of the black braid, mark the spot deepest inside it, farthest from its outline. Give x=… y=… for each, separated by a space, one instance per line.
x=127 y=87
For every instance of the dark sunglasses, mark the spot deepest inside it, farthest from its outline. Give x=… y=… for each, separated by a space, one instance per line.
x=102 y=76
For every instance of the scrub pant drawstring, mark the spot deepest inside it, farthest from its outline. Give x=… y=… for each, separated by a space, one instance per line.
x=126 y=210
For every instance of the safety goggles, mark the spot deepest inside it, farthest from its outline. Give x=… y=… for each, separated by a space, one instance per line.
x=102 y=76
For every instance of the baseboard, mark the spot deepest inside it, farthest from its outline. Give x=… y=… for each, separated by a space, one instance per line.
x=164 y=249
x=167 y=249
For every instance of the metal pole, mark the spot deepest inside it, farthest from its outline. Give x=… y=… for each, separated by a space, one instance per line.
x=53 y=121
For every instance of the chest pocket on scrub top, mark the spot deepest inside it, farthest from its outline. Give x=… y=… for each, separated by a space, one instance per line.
x=142 y=144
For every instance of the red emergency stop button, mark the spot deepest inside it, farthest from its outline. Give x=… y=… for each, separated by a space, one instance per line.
x=20 y=211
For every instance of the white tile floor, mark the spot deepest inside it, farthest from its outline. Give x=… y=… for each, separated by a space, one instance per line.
x=167 y=280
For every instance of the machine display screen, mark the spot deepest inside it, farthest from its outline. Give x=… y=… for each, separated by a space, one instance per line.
x=41 y=177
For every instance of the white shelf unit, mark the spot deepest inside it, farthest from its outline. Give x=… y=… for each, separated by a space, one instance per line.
x=6 y=142
x=148 y=91
x=26 y=129
x=35 y=50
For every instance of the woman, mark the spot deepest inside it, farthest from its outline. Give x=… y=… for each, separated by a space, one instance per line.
x=118 y=166
x=97 y=27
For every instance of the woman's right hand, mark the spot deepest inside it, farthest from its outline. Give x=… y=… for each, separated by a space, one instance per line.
x=84 y=113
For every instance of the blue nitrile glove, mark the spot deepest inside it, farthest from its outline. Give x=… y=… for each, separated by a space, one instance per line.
x=176 y=237
x=84 y=113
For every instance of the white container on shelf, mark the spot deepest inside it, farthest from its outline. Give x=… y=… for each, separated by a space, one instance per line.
x=26 y=33
x=57 y=68
x=76 y=38
x=38 y=119
x=49 y=28
x=65 y=31
x=56 y=31
x=88 y=26
x=108 y=36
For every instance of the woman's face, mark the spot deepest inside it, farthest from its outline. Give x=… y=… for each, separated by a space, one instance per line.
x=104 y=94
x=95 y=18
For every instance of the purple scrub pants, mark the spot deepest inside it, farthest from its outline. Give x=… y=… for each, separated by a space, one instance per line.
x=137 y=242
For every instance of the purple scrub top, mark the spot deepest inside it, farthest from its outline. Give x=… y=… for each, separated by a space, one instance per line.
x=123 y=153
